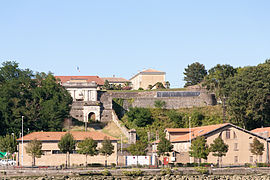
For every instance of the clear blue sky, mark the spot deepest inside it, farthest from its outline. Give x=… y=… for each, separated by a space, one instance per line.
x=121 y=37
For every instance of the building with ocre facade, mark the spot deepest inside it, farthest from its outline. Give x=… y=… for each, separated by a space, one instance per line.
x=52 y=156
x=116 y=81
x=236 y=138
x=147 y=77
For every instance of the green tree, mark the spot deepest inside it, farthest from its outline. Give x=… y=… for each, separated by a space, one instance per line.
x=138 y=149
x=199 y=149
x=160 y=104
x=139 y=116
x=107 y=85
x=33 y=148
x=67 y=145
x=8 y=144
x=159 y=85
x=194 y=74
x=249 y=102
x=219 y=149
x=217 y=81
x=164 y=147
x=256 y=148
x=88 y=147
x=176 y=117
x=107 y=148
x=167 y=85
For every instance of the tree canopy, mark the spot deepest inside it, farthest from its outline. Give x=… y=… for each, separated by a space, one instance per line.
x=219 y=148
x=199 y=149
x=138 y=149
x=33 y=148
x=256 y=147
x=88 y=147
x=194 y=74
x=67 y=145
x=8 y=144
x=139 y=116
x=164 y=146
x=39 y=98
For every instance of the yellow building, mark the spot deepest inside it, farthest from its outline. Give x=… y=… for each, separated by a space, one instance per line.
x=236 y=138
x=147 y=77
x=52 y=156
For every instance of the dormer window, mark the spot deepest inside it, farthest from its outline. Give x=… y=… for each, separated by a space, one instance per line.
x=228 y=134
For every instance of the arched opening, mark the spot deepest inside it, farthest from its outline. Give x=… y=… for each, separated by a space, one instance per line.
x=91 y=117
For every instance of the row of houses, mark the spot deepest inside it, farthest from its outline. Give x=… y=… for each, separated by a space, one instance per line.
x=238 y=139
x=141 y=80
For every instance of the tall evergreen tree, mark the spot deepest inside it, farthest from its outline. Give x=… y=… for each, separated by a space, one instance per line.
x=194 y=74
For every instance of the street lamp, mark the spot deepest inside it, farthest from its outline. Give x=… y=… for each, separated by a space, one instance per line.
x=22 y=140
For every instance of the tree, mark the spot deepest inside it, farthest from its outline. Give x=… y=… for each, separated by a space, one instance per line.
x=107 y=148
x=160 y=104
x=164 y=146
x=194 y=74
x=139 y=116
x=219 y=149
x=249 y=102
x=42 y=101
x=256 y=148
x=107 y=85
x=33 y=148
x=217 y=81
x=199 y=149
x=8 y=144
x=167 y=85
x=88 y=147
x=67 y=145
x=159 y=85
x=138 y=149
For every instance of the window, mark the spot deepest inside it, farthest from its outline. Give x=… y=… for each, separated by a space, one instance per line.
x=235 y=159
x=228 y=134
x=251 y=159
x=260 y=158
x=236 y=146
x=234 y=135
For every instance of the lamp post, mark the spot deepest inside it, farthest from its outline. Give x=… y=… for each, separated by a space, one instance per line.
x=189 y=136
x=22 y=140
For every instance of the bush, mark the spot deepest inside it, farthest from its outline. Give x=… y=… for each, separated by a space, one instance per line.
x=106 y=172
x=201 y=170
x=179 y=164
x=166 y=171
x=192 y=164
x=95 y=165
x=133 y=173
x=113 y=165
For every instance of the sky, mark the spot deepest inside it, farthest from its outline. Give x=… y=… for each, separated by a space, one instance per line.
x=123 y=37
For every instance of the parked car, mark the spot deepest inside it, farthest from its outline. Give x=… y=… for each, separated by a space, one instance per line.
x=7 y=162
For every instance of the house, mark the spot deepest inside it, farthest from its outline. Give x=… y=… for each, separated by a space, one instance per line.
x=147 y=77
x=264 y=131
x=116 y=81
x=236 y=138
x=52 y=156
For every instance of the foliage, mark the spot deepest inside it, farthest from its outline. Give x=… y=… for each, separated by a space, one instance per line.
x=217 y=81
x=201 y=170
x=106 y=85
x=159 y=85
x=8 y=144
x=160 y=104
x=194 y=74
x=199 y=149
x=176 y=117
x=133 y=173
x=166 y=171
x=219 y=148
x=88 y=147
x=107 y=147
x=140 y=89
x=138 y=149
x=67 y=145
x=249 y=102
x=39 y=98
x=106 y=172
x=256 y=147
x=167 y=85
x=33 y=148
x=139 y=116
x=164 y=146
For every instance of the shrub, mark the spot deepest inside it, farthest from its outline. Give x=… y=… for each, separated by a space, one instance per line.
x=133 y=173
x=113 y=165
x=106 y=172
x=166 y=171
x=202 y=170
x=94 y=165
x=179 y=164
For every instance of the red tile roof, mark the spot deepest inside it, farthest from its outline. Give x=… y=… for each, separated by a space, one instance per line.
x=56 y=136
x=197 y=131
x=97 y=79
x=261 y=130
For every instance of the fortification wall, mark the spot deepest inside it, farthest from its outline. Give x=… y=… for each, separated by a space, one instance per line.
x=174 y=100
